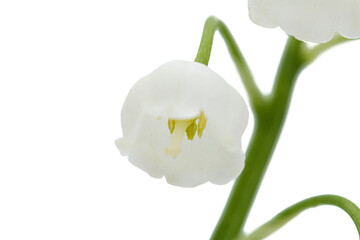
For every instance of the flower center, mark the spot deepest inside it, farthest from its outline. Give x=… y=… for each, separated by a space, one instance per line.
x=178 y=128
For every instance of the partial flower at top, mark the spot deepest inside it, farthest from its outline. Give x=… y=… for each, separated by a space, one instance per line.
x=184 y=122
x=309 y=20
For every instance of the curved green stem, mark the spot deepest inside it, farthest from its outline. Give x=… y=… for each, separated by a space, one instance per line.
x=269 y=118
x=211 y=25
x=288 y=214
x=313 y=53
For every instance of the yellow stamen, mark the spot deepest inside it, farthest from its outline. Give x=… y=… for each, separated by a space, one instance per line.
x=171 y=125
x=202 y=124
x=191 y=131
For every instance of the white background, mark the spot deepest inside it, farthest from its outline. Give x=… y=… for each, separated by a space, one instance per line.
x=65 y=69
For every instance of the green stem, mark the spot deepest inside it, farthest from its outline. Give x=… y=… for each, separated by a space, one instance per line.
x=313 y=53
x=269 y=116
x=269 y=119
x=288 y=214
x=213 y=24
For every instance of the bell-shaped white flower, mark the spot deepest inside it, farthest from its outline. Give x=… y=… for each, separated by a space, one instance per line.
x=309 y=20
x=184 y=122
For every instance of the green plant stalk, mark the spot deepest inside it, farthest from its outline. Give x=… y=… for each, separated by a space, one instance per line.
x=291 y=212
x=269 y=120
x=269 y=113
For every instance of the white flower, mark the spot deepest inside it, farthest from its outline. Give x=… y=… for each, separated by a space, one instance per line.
x=177 y=99
x=309 y=20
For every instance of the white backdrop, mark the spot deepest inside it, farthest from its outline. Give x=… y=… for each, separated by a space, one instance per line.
x=65 y=69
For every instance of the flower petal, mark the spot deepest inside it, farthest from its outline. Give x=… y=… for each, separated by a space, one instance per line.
x=183 y=90
x=309 y=20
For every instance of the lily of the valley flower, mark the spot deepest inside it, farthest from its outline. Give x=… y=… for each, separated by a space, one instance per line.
x=184 y=122
x=309 y=20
